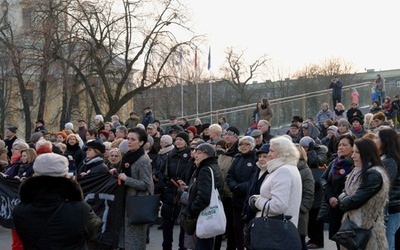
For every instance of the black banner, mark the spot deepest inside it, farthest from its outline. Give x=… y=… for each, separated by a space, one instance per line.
x=9 y=198
x=101 y=192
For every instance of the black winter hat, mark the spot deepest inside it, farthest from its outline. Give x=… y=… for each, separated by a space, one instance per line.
x=13 y=129
x=184 y=136
x=204 y=126
x=96 y=145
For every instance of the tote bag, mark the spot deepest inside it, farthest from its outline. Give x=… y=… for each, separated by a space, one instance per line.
x=142 y=209
x=211 y=221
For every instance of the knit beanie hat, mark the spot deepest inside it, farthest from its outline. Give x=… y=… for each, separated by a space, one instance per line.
x=167 y=139
x=51 y=164
x=344 y=121
x=69 y=126
x=184 y=136
x=305 y=141
x=192 y=129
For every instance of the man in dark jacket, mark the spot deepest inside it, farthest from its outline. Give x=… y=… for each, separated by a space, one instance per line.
x=336 y=87
x=10 y=139
x=52 y=213
x=148 y=117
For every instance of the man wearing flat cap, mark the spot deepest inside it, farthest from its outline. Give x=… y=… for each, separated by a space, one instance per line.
x=258 y=137
x=52 y=213
x=10 y=139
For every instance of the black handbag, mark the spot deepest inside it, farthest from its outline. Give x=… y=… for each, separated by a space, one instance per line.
x=142 y=209
x=351 y=236
x=272 y=233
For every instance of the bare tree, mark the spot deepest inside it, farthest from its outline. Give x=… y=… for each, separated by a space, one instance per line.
x=110 y=45
x=238 y=74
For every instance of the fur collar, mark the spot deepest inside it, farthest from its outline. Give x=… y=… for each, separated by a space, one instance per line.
x=49 y=189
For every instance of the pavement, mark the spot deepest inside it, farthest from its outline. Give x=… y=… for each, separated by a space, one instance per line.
x=155 y=239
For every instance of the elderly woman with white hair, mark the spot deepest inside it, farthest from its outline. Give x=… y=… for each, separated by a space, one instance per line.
x=238 y=179
x=282 y=187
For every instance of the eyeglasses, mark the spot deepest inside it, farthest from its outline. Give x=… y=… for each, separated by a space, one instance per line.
x=16 y=149
x=113 y=155
x=244 y=144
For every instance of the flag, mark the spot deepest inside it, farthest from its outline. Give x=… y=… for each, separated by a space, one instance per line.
x=195 y=59
x=209 y=58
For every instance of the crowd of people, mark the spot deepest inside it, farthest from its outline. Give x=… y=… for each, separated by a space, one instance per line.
x=339 y=164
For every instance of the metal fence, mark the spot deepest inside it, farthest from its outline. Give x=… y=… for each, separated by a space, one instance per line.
x=306 y=105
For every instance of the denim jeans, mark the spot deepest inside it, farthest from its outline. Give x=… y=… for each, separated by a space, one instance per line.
x=392 y=226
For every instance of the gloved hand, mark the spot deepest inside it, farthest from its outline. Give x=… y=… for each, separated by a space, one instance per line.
x=252 y=202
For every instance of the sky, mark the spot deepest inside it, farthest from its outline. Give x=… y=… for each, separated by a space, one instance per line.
x=296 y=33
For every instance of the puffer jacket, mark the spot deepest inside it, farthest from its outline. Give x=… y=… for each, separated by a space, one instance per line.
x=200 y=190
x=239 y=176
x=71 y=226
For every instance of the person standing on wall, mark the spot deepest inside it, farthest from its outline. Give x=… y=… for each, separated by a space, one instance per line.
x=336 y=87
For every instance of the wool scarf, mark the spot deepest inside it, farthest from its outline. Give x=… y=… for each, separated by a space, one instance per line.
x=129 y=158
x=341 y=167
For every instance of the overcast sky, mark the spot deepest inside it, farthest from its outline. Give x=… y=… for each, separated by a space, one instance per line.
x=296 y=33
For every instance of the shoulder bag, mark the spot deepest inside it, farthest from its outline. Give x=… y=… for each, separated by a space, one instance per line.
x=211 y=221
x=142 y=209
x=271 y=232
x=351 y=236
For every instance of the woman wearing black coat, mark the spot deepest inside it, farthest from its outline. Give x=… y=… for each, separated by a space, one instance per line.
x=74 y=153
x=51 y=193
x=200 y=190
x=238 y=180
x=335 y=177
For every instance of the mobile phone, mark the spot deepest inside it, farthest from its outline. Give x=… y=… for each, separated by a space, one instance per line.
x=175 y=184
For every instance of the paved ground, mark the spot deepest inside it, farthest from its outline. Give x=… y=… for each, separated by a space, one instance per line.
x=155 y=239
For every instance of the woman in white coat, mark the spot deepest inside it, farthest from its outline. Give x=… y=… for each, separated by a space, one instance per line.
x=282 y=188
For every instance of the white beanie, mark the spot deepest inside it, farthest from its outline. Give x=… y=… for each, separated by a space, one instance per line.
x=99 y=117
x=167 y=139
x=69 y=125
x=50 y=164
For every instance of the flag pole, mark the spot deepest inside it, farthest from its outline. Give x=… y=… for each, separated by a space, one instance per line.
x=197 y=85
x=211 y=92
x=180 y=72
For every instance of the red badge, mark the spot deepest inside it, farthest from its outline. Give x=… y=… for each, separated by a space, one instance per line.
x=342 y=171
